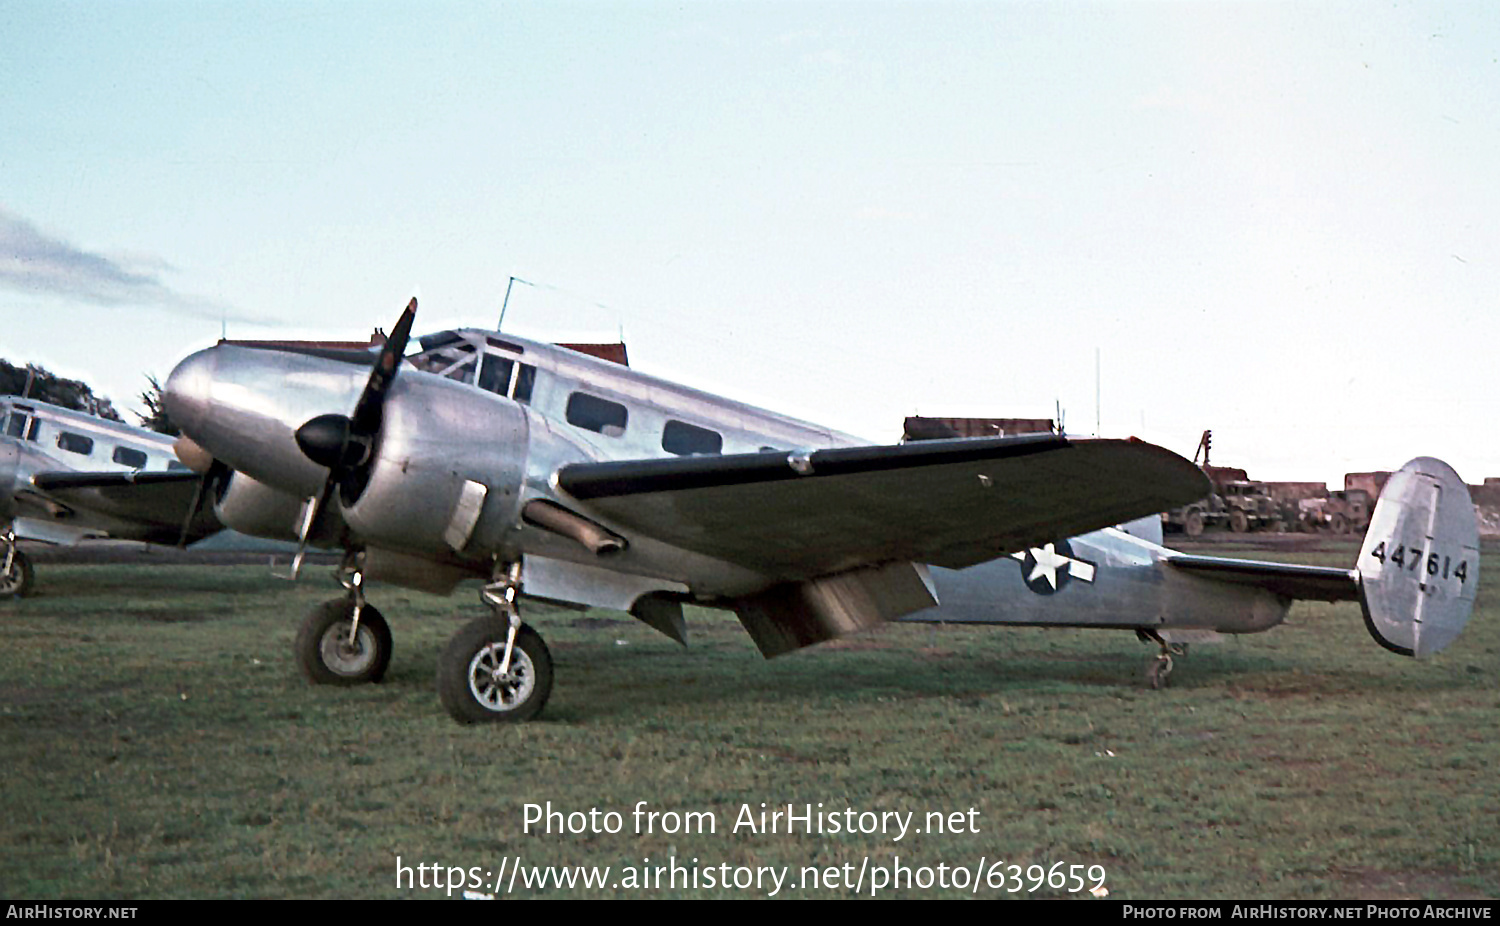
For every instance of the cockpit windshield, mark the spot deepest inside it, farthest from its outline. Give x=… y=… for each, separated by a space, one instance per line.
x=474 y=359
x=449 y=354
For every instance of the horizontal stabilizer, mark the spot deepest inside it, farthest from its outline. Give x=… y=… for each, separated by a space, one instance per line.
x=1320 y=583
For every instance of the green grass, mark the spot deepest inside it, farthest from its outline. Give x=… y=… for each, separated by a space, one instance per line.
x=158 y=742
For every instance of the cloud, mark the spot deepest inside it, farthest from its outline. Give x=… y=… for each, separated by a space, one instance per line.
x=32 y=261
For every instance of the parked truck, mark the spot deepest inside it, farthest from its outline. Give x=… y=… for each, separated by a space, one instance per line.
x=1240 y=506
x=1237 y=503
x=1342 y=512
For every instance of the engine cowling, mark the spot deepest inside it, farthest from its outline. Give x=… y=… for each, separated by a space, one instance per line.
x=447 y=474
x=251 y=507
x=10 y=463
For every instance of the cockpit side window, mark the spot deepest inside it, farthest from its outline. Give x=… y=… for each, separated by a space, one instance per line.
x=495 y=374
x=507 y=377
x=525 y=380
x=21 y=425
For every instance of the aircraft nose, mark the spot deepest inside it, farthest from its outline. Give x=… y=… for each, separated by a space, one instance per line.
x=189 y=389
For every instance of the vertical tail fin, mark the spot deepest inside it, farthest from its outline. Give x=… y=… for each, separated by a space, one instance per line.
x=1419 y=565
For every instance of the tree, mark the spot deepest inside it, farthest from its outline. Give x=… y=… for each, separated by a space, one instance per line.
x=156 y=417
x=46 y=387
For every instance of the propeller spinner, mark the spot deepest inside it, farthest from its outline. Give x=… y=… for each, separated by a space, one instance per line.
x=346 y=443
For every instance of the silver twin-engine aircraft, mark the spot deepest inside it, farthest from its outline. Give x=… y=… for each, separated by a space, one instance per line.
x=554 y=476
x=67 y=476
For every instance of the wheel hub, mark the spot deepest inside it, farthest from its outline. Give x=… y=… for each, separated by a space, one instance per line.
x=343 y=657
x=497 y=692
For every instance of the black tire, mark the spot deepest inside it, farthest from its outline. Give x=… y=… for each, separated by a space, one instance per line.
x=18 y=581
x=323 y=651
x=1340 y=524
x=1192 y=525
x=465 y=679
x=1239 y=522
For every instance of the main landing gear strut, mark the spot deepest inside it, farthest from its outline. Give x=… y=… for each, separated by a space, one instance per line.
x=16 y=575
x=345 y=641
x=496 y=668
x=1159 y=667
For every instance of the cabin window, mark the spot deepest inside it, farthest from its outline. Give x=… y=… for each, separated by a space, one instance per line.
x=125 y=456
x=686 y=440
x=595 y=414
x=75 y=443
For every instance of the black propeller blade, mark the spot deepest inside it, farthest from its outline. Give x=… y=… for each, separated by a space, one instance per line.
x=209 y=483
x=346 y=443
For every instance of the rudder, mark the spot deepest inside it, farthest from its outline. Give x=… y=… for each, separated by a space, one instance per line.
x=1419 y=565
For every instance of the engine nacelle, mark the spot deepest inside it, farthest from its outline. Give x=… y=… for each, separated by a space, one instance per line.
x=446 y=480
x=10 y=464
x=254 y=508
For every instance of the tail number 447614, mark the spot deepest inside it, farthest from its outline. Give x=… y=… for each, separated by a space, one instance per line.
x=1410 y=559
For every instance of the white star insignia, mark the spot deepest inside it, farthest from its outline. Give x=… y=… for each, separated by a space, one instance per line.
x=1048 y=561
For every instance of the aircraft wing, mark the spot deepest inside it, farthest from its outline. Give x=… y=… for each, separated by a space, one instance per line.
x=154 y=503
x=949 y=503
x=1290 y=580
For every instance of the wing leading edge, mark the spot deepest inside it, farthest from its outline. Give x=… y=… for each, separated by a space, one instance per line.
x=949 y=503
x=145 y=505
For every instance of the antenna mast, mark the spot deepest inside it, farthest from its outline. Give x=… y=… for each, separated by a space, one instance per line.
x=506 y=304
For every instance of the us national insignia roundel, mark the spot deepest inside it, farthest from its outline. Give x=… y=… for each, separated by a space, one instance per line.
x=1046 y=569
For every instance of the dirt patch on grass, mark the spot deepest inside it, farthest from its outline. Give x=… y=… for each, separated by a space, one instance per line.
x=169 y=615
x=595 y=623
x=1374 y=884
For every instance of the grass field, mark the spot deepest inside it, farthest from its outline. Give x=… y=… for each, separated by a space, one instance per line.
x=158 y=742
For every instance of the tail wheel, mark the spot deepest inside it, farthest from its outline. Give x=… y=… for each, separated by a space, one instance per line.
x=471 y=685
x=1159 y=672
x=17 y=581
x=326 y=654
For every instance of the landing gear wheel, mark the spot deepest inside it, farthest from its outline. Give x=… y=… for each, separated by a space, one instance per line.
x=1158 y=671
x=17 y=582
x=1239 y=522
x=1192 y=525
x=325 y=654
x=469 y=682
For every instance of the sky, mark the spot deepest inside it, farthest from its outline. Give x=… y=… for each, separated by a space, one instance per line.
x=1277 y=221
